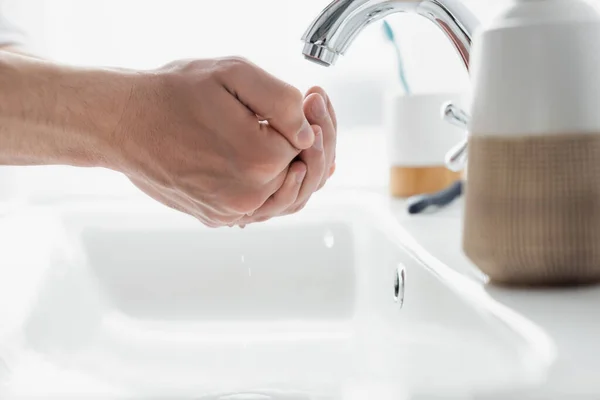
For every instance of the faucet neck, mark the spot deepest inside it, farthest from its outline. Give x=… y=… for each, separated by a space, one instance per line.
x=337 y=26
x=455 y=20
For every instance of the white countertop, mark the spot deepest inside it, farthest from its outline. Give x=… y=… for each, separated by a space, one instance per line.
x=569 y=317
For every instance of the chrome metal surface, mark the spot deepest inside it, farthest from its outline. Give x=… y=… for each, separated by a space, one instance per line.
x=334 y=30
x=399 y=285
x=456 y=158
x=455 y=116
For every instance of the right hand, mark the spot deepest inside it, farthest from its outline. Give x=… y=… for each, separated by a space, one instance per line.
x=321 y=164
x=214 y=138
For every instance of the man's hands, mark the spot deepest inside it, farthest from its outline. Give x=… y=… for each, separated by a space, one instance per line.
x=225 y=141
x=221 y=140
x=320 y=161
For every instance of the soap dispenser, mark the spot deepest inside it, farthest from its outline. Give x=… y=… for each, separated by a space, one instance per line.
x=532 y=212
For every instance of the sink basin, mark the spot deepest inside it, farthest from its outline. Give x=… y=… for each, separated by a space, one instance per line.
x=128 y=299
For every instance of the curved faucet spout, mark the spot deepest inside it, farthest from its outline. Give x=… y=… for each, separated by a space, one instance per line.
x=334 y=30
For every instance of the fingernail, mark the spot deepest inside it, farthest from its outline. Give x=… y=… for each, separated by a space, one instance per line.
x=319 y=108
x=306 y=136
x=318 y=139
x=300 y=176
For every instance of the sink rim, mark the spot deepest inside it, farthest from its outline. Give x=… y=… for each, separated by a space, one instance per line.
x=533 y=340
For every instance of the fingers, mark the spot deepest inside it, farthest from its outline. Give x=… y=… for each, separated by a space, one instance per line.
x=314 y=159
x=319 y=159
x=274 y=100
x=329 y=107
x=284 y=198
x=317 y=112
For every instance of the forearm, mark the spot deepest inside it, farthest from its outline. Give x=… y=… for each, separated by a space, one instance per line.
x=52 y=114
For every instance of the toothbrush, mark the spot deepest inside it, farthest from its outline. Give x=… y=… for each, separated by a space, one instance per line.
x=434 y=201
x=391 y=37
x=423 y=203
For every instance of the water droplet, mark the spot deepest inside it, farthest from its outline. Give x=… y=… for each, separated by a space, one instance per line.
x=329 y=239
x=249 y=269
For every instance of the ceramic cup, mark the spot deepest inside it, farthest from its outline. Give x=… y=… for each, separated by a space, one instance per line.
x=418 y=140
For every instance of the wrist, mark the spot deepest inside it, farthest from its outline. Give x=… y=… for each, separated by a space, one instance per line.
x=58 y=115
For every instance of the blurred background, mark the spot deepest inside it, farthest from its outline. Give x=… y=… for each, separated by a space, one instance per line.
x=146 y=34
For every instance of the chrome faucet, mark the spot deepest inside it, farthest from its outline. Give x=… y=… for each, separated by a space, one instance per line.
x=334 y=30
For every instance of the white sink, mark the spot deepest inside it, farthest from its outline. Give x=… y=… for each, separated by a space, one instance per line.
x=132 y=300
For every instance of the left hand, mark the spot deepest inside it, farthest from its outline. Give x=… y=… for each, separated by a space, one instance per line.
x=319 y=160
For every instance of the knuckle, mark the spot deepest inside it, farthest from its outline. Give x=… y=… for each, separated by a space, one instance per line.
x=258 y=174
x=319 y=90
x=295 y=96
x=213 y=224
x=204 y=221
x=267 y=173
x=192 y=64
x=221 y=222
x=257 y=166
x=289 y=105
x=247 y=203
x=237 y=60
x=234 y=64
x=175 y=207
x=230 y=220
x=296 y=209
x=288 y=200
x=207 y=219
x=322 y=184
x=302 y=206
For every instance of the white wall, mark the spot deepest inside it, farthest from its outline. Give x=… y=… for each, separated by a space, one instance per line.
x=149 y=33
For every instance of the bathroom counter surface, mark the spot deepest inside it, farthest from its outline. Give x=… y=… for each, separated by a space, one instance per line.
x=568 y=316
